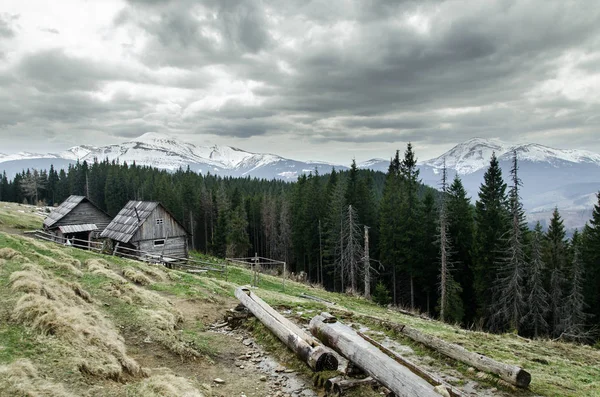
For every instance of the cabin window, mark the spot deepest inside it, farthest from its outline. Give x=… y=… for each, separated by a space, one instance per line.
x=160 y=221
x=159 y=243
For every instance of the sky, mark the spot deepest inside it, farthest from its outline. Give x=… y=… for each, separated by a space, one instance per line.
x=324 y=80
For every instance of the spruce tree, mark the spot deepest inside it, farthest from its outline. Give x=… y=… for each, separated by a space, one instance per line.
x=555 y=256
x=461 y=229
x=389 y=224
x=574 y=316
x=591 y=258
x=509 y=303
x=492 y=222
x=409 y=216
x=537 y=296
x=237 y=238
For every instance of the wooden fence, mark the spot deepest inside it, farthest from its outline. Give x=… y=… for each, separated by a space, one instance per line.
x=256 y=264
x=189 y=264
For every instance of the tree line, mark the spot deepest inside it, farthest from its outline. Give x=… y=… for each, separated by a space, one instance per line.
x=383 y=235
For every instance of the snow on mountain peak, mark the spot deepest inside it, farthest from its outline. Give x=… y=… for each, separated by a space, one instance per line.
x=470 y=155
x=475 y=154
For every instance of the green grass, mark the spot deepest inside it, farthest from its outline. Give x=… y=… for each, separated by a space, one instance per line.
x=17 y=216
x=571 y=369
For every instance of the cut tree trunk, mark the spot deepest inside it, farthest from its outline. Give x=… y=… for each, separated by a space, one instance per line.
x=384 y=369
x=510 y=373
x=307 y=348
x=432 y=379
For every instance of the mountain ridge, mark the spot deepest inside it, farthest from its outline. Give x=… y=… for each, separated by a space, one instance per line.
x=551 y=177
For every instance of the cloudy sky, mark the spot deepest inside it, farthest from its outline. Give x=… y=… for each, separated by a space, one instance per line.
x=323 y=79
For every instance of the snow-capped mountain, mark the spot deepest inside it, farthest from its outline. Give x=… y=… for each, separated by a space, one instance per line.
x=165 y=152
x=474 y=155
x=551 y=177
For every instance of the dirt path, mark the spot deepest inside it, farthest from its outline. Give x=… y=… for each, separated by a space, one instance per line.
x=232 y=356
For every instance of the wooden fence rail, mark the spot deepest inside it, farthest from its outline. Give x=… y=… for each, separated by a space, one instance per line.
x=132 y=253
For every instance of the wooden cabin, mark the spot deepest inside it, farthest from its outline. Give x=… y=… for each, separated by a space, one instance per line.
x=146 y=229
x=76 y=218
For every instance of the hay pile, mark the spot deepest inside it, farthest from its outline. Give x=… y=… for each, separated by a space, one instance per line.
x=167 y=385
x=21 y=378
x=12 y=255
x=56 y=307
x=135 y=276
x=65 y=262
x=102 y=268
x=161 y=326
x=156 y=274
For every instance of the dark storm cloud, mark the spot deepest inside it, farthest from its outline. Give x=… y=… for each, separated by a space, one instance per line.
x=435 y=72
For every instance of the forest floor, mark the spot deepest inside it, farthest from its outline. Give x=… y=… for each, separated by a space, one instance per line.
x=74 y=323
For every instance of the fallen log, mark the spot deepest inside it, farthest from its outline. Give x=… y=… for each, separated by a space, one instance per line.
x=317 y=356
x=432 y=379
x=384 y=369
x=512 y=374
x=337 y=386
x=315 y=298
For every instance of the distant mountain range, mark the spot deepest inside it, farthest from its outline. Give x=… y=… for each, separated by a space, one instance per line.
x=164 y=152
x=567 y=179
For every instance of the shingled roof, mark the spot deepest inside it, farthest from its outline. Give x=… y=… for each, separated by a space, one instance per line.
x=129 y=220
x=63 y=209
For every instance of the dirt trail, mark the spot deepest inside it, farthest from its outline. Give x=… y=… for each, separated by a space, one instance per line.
x=234 y=357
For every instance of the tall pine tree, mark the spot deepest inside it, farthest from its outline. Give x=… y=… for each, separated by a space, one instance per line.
x=492 y=222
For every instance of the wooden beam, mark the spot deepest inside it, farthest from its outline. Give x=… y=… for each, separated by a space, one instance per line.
x=432 y=379
x=512 y=374
x=307 y=348
x=384 y=369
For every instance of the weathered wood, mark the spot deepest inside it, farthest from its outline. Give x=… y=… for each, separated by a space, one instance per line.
x=384 y=369
x=84 y=213
x=308 y=349
x=315 y=298
x=432 y=379
x=337 y=386
x=512 y=374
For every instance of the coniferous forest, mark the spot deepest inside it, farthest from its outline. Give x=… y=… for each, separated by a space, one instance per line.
x=428 y=250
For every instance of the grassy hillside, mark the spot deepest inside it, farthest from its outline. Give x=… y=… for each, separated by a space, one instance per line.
x=73 y=323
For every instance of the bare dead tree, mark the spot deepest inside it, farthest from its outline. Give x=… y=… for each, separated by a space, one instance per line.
x=351 y=250
x=444 y=247
x=367 y=265
x=31 y=184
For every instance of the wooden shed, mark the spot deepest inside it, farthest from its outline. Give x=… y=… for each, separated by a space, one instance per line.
x=149 y=229
x=76 y=217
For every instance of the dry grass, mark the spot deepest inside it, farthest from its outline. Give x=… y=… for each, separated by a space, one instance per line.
x=12 y=255
x=102 y=268
x=135 y=276
x=65 y=262
x=2 y=262
x=161 y=326
x=156 y=274
x=56 y=307
x=21 y=378
x=167 y=385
